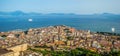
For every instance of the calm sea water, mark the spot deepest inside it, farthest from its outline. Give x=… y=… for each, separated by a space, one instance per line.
x=93 y=24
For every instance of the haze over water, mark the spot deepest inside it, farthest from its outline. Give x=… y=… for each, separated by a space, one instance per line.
x=93 y=24
x=83 y=7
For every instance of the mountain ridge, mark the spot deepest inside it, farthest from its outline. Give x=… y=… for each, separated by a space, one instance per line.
x=21 y=13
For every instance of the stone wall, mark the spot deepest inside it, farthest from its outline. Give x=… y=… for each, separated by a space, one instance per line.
x=16 y=50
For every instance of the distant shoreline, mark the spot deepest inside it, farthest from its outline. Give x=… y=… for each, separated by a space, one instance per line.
x=98 y=32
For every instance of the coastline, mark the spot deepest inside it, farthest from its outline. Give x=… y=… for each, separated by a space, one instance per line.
x=98 y=32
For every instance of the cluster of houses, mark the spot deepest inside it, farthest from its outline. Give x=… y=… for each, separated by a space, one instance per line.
x=60 y=38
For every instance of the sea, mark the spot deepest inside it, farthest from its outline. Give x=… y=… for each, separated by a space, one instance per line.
x=92 y=24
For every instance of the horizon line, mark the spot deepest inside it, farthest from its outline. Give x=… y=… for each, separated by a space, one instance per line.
x=60 y=12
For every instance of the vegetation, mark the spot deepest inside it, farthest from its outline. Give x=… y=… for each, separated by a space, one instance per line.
x=3 y=36
x=17 y=35
x=26 y=32
x=67 y=30
x=42 y=46
x=112 y=53
x=108 y=33
x=70 y=38
x=76 y=52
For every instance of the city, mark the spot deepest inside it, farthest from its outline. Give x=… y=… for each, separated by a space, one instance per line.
x=59 y=28
x=55 y=38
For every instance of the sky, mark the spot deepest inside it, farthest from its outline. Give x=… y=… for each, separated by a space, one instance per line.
x=62 y=6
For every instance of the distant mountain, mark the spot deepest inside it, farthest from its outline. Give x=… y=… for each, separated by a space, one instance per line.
x=20 y=13
x=16 y=13
x=12 y=13
x=22 y=16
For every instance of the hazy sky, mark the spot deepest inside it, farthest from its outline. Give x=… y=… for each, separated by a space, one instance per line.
x=62 y=6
